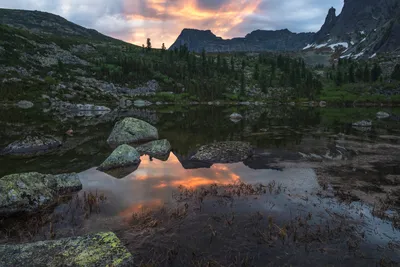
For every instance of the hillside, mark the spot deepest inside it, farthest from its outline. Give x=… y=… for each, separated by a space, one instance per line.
x=45 y=57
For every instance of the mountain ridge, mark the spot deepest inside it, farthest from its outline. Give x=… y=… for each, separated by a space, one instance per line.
x=363 y=28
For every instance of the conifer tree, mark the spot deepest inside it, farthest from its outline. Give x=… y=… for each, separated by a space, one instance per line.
x=396 y=73
x=148 y=44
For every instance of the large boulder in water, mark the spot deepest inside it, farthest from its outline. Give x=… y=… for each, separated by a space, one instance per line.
x=131 y=130
x=122 y=156
x=29 y=192
x=158 y=149
x=32 y=145
x=102 y=249
x=224 y=152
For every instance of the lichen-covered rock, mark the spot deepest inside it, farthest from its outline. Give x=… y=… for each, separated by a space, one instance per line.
x=131 y=130
x=32 y=145
x=158 y=148
x=224 y=152
x=122 y=156
x=364 y=123
x=29 y=192
x=102 y=249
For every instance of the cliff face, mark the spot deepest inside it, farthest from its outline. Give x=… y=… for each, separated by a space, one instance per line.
x=282 y=40
x=368 y=26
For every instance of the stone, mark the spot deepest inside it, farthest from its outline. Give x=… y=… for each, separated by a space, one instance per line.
x=32 y=145
x=30 y=192
x=122 y=156
x=235 y=117
x=364 y=123
x=24 y=104
x=131 y=130
x=142 y=103
x=224 y=152
x=382 y=115
x=157 y=149
x=322 y=104
x=101 y=249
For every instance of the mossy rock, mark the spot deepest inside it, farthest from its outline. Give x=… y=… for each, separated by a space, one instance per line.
x=122 y=156
x=30 y=192
x=102 y=249
x=224 y=152
x=131 y=130
x=159 y=149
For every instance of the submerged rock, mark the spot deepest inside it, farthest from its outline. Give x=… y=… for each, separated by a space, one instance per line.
x=32 y=145
x=224 y=152
x=102 y=249
x=157 y=149
x=382 y=115
x=122 y=156
x=29 y=192
x=131 y=130
x=24 y=104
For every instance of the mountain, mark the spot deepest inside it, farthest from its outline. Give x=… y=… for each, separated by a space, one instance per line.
x=363 y=28
x=366 y=26
x=259 y=40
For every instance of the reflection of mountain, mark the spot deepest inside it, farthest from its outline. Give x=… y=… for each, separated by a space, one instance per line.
x=192 y=164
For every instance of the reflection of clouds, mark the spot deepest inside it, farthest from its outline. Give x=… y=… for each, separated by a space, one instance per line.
x=172 y=174
x=153 y=182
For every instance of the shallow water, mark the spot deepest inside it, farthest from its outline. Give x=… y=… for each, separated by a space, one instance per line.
x=278 y=134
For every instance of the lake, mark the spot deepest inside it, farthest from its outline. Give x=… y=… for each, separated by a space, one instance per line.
x=316 y=190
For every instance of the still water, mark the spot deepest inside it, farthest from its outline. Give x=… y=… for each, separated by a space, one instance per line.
x=278 y=134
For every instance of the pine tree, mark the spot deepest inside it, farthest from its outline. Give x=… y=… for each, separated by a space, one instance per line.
x=256 y=72
x=242 y=85
x=359 y=74
x=352 y=78
x=148 y=44
x=232 y=64
x=339 y=78
x=396 y=73
x=367 y=74
x=163 y=48
x=376 y=72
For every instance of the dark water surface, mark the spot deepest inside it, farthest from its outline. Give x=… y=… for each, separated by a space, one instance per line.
x=275 y=132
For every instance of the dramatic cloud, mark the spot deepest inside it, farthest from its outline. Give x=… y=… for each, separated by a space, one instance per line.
x=163 y=20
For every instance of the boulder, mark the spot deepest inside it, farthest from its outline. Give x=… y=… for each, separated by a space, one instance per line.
x=30 y=192
x=131 y=130
x=142 y=103
x=224 y=152
x=382 y=115
x=235 y=117
x=101 y=249
x=122 y=156
x=322 y=104
x=32 y=145
x=158 y=149
x=24 y=104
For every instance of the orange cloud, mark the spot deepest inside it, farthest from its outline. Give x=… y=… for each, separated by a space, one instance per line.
x=163 y=20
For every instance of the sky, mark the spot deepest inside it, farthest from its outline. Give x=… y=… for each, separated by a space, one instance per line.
x=162 y=20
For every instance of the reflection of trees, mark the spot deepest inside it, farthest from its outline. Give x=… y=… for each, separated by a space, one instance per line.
x=188 y=130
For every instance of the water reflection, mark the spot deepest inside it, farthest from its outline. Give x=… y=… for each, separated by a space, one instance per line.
x=151 y=185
